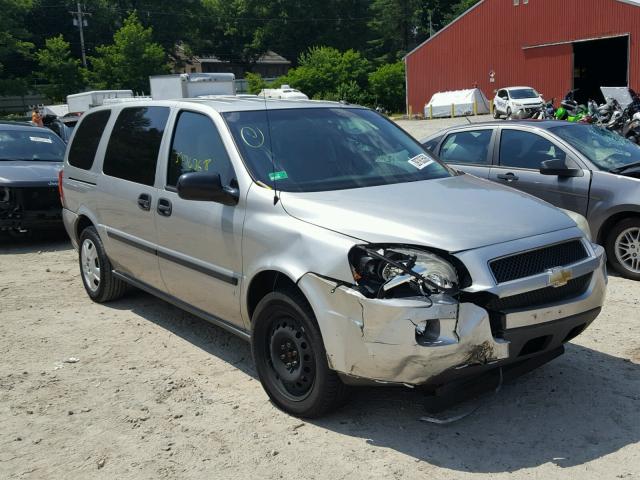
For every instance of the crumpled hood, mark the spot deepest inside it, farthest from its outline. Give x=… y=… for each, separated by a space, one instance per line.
x=26 y=173
x=454 y=214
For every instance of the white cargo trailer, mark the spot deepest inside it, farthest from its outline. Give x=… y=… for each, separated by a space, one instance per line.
x=191 y=85
x=81 y=102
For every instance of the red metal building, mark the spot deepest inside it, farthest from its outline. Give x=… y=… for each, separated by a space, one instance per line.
x=551 y=45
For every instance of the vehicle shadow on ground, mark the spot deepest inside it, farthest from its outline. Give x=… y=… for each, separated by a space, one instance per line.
x=575 y=409
x=55 y=240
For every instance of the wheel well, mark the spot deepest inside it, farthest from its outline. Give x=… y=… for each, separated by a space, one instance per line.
x=264 y=283
x=610 y=222
x=83 y=222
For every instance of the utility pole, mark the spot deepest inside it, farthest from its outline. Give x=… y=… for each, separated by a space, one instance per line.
x=80 y=22
x=430 y=24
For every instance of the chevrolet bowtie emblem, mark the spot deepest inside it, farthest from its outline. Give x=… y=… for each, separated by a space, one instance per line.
x=559 y=277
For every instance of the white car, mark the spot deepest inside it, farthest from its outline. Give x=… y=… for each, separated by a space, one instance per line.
x=510 y=100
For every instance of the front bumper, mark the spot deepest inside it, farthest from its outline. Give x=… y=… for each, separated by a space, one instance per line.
x=28 y=208
x=417 y=341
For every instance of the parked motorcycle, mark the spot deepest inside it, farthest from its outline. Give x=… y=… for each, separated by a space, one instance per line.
x=569 y=109
x=546 y=111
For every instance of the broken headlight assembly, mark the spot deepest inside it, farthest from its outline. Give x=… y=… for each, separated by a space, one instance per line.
x=389 y=271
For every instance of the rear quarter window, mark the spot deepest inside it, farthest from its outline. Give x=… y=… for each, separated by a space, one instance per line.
x=85 y=143
x=132 y=152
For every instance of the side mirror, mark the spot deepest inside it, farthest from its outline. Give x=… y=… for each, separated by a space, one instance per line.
x=559 y=168
x=206 y=187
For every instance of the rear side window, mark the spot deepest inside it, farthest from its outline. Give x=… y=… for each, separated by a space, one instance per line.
x=132 y=153
x=85 y=143
x=470 y=147
x=197 y=147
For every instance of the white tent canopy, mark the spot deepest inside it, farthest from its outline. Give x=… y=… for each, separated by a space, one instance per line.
x=463 y=102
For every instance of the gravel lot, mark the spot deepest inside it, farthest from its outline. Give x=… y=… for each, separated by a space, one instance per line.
x=157 y=393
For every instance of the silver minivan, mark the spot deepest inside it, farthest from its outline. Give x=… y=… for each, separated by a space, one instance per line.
x=329 y=238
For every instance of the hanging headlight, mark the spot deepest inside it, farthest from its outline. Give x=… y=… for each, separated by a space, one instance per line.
x=379 y=270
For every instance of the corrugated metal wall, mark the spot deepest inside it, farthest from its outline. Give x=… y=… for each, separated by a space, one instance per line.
x=491 y=37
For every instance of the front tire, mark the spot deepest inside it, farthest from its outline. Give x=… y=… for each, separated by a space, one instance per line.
x=95 y=269
x=623 y=248
x=508 y=113
x=496 y=113
x=290 y=358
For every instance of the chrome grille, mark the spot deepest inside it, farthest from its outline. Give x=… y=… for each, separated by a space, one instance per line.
x=537 y=261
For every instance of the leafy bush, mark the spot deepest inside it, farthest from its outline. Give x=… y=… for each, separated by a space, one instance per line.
x=387 y=86
x=323 y=71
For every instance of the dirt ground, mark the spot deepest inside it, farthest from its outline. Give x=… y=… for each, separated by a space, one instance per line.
x=157 y=393
x=138 y=389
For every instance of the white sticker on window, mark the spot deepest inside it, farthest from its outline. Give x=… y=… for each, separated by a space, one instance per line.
x=420 y=161
x=41 y=139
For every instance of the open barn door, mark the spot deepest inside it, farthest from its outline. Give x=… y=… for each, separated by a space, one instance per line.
x=599 y=63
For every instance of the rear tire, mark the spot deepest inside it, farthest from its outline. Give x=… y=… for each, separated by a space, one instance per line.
x=95 y=269
x=623 y=248
x=290 y=358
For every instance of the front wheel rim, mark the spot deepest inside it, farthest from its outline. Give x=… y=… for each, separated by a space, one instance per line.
x=290 y=357
x=627 y=249
x=90 y=265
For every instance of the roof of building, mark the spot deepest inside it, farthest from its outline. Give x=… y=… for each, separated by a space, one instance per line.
x=269 y=57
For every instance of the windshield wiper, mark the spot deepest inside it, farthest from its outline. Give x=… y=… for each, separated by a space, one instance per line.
x=625 y=167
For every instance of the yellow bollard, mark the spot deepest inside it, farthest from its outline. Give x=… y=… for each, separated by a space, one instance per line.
x=431 y=111
x=410 y=111
x=453 y=110
x=475 y=107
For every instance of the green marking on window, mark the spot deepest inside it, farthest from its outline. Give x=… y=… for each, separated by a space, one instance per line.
x=282 y=175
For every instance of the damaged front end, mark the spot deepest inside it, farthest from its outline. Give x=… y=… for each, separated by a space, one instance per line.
x=27 y=208
x=401 y=320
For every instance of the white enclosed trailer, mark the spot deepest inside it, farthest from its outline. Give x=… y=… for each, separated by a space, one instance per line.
x=191 y=85
x=81 y=102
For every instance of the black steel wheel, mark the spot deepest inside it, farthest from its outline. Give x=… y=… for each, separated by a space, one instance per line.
x=290 y=357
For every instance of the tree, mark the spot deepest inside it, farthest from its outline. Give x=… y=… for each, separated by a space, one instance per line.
x=459 y=8
x=58 y=69
x=397 y=26
x=129 y=61
x=324 y=70
x=387 y=86
x=15 y=46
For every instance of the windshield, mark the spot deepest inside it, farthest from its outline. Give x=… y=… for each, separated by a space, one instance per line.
x=30 y=145
x=318 y=149
x=522 y=93
x=607 y=150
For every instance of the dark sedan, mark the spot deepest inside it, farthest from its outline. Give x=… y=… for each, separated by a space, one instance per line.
x=30 y=159
x=578 y=167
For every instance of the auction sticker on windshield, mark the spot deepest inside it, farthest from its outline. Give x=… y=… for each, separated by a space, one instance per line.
x=41 y=139
x=420 y=161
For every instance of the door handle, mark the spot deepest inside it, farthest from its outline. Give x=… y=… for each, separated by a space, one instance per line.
x=164 y=207
x=509 y=177
x=144 y=201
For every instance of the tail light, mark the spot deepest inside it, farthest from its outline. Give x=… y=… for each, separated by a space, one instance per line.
x=60 y=190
